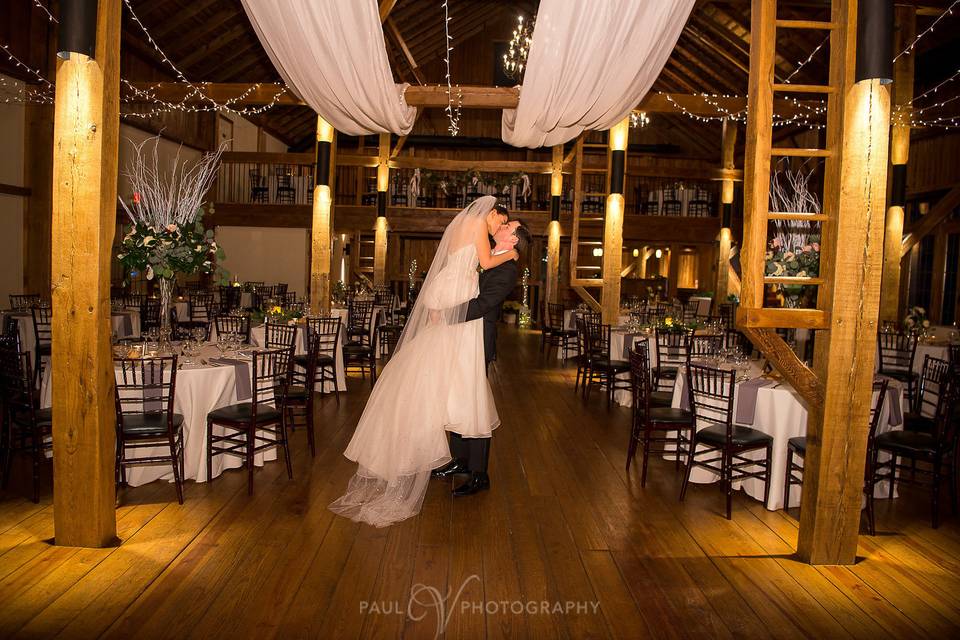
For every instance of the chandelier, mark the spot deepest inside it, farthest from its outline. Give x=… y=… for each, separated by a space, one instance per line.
x=639 y=119
x=515 y=59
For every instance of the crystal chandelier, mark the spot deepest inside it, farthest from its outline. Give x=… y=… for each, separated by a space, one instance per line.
x=515 y=59
x=639 y=119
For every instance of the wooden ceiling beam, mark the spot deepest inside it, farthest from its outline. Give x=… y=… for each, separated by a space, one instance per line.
x=392 y=27
x=224 y=66
x=183 y=17
x=473 y=97
x=214 y=45
x=386 y=6
x=697 y=60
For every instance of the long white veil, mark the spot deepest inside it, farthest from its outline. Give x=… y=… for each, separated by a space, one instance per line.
x=442 y=300
x=401 y=435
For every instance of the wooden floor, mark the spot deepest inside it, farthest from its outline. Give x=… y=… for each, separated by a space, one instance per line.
x=565 y=544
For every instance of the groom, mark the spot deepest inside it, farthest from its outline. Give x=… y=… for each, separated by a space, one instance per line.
x=470 y=455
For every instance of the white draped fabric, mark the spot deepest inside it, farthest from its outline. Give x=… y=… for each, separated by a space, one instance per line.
x=590 y=64
x=332 y=54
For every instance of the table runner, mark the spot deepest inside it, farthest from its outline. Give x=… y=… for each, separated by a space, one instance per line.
x=747 y=399
x=127 y=323
x=241 y=373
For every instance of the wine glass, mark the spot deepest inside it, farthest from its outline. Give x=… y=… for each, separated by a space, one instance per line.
x=199 y=334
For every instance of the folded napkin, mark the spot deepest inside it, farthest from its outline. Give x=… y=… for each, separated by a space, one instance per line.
x=628 y=339
x=241 y=373
x=126 y=324
x=895 y=414
x=152 y=375
x=747 y=399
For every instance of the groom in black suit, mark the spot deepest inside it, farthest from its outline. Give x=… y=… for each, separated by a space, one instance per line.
x=470 y=455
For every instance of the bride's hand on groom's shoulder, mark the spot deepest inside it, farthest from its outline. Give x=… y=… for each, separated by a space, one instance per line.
x=514 y=255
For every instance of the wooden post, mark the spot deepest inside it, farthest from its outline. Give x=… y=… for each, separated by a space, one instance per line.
x=86 y=131
x=322 y=223
x=613 y=222
x=905 y=30
x=854 y=194
x=553 y=229
x=725 y=237
x=380 y=239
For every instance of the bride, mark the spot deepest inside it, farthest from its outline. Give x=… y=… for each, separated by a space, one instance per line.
x=435 y=381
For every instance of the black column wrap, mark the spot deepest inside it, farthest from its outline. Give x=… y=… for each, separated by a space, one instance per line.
x=554 y=207
x=78 y=27
x=323 y=163
x=898 y=188
x=381 y=204
x=618 y=161
x=875 y=40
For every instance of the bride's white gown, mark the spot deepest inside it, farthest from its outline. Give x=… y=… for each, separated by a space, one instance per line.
x=435 y=382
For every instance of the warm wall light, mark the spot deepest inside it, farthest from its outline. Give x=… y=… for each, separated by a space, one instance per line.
x=383 y=177
x=619 y=134
x=636 y=253
x=598 y=252
x=324 y=130
x=658 y=253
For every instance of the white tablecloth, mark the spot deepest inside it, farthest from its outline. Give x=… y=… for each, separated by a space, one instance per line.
x=258 y=337
x=200 y=390
x=28 y=340
x=703 y=305
x=781 y=414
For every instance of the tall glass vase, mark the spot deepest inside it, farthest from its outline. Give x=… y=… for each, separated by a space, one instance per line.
x=166 y=295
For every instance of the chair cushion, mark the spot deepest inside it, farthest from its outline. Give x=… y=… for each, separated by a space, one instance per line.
x=388 y=328
x=669 y=415
x=44 y=417
x=149 y=424
x=741 y=436
x=301 y=360
x=917 y=422
x=356 y=349
x=612 y=365
x=661 y=398
x=911 y=443
x=666 y=372
x=296 y=393
x=243 y=412
x=43 y=349
x=324 y=359
x=902 y=375
x=798 y=444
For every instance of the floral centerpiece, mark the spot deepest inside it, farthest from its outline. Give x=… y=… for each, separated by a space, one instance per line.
x=167 y=237
x=280 y=315
x=916 y=320
x=669 y=324
x=794 y=249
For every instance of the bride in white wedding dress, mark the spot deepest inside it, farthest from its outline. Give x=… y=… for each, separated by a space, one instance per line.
x=435 y=382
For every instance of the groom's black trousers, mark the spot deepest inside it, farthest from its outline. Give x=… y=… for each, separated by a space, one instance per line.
x=474 y=451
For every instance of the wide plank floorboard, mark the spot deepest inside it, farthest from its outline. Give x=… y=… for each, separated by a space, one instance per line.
x=566 y=544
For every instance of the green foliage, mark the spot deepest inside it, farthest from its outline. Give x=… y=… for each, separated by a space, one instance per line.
x=171 y=251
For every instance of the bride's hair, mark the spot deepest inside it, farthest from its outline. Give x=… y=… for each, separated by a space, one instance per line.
x=502 y=210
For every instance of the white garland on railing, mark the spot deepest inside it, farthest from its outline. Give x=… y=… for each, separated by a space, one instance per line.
x=173 y=197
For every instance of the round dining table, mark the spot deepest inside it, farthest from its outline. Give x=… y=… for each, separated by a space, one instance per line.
x=776 y=409
x=201 y=388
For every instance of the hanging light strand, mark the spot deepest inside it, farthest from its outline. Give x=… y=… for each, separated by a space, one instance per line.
x=43 y=7
x=453 y=109
x=909 y=49
x=800 y=66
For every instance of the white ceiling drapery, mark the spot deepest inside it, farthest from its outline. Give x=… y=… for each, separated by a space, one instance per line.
x=332 y=54
x=590 y=64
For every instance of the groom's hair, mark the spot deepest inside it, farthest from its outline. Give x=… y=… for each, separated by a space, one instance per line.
x=523 y=238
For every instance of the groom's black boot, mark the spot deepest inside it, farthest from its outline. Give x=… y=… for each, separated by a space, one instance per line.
x=479 y=481
x=450 y=469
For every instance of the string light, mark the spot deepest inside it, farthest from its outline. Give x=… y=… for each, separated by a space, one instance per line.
x=807 y=61
x=196 y=90
x=43 y=8
x=929 y=29
x=453 y=111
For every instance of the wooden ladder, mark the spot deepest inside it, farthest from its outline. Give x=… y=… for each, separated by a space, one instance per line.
x=588 y=227
x=756 y=320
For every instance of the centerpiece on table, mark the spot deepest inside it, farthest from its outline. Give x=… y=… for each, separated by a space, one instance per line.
x=794 y=248
x=916 y=321
x=167 y=237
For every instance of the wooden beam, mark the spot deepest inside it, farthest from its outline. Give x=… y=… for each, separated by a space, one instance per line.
x=728 y=143
x=14 y=190
x=322 y=223
x=398 y=147
x=380 y=226
x=587 y=297
x=617 y=140
x=405 y=50
x=216 y=44
x=858 y=128
x=786 y=362
x=86 y=133
x=928 y=223
x=259 y=93
x=553 y=230
x=905 y=29
x=386 y=6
